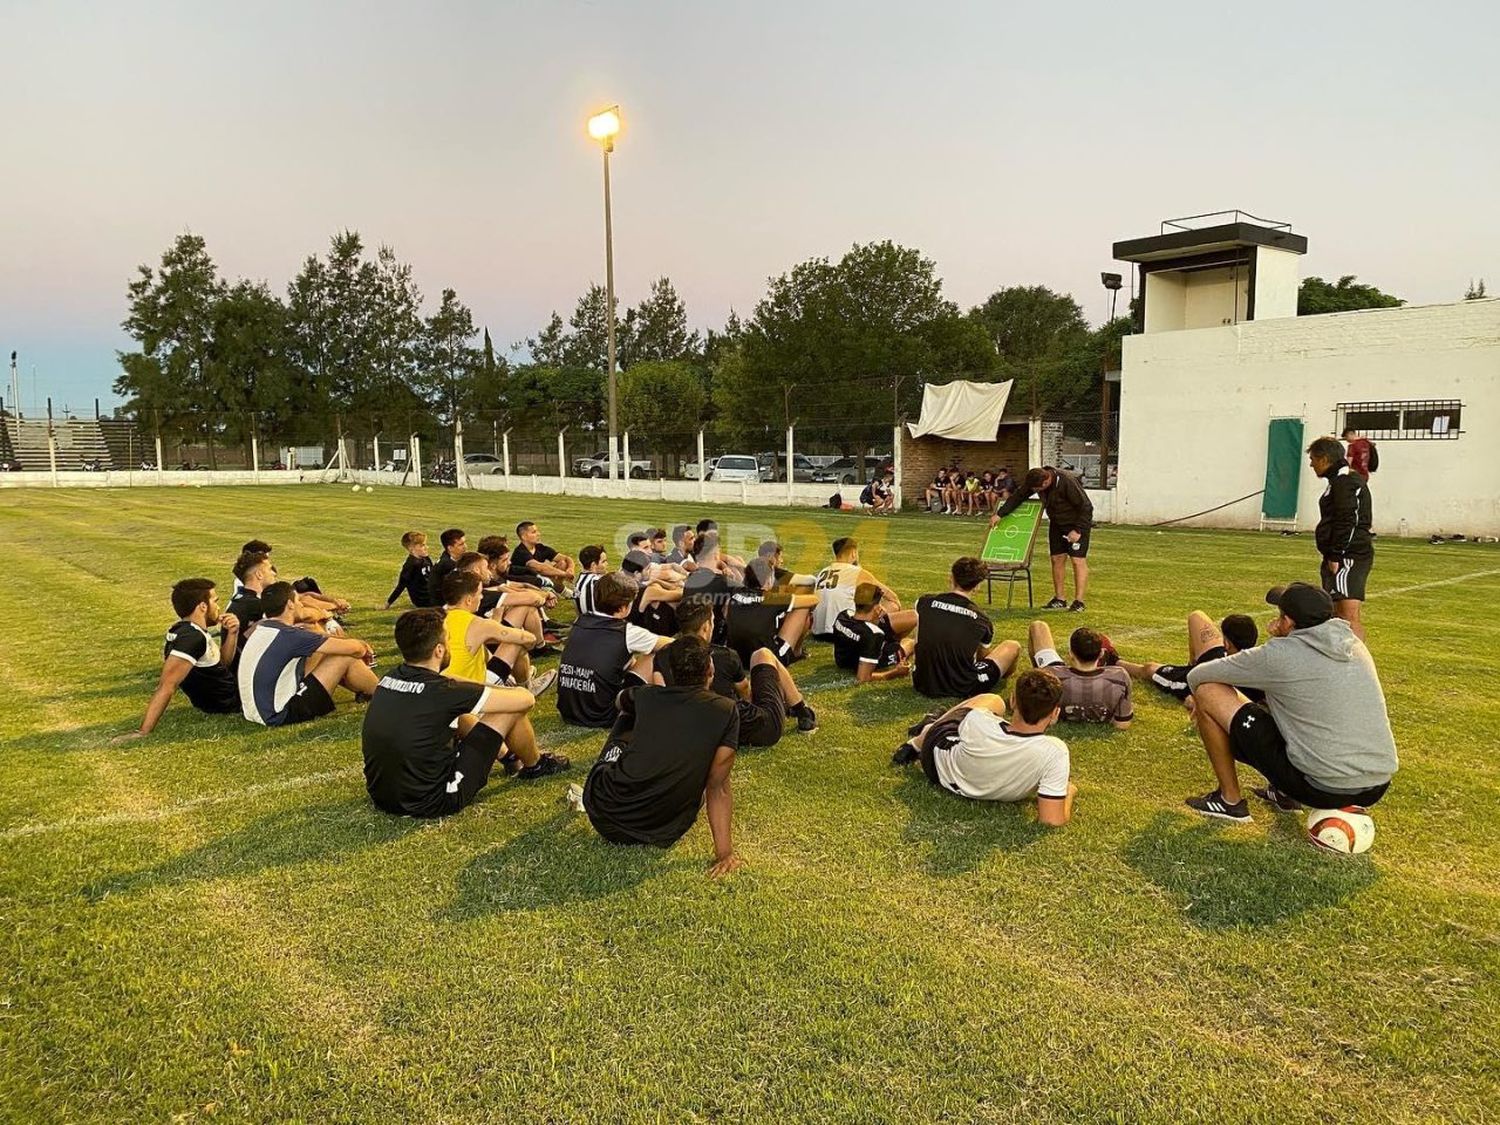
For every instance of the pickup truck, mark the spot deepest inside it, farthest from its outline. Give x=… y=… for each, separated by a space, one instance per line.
x=598 y=466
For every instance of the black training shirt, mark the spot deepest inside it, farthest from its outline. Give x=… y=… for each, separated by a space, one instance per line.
x=855 y=640
x=950 y=631
x=408 y=739
x=524 y=554
x=754 y=618
x=209 y=685
x=729 y=670
x=416 y=579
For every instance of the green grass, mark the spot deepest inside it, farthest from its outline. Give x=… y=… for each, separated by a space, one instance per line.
x=215 y=923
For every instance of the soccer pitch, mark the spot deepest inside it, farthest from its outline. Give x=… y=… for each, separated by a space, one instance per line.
x=214 y=922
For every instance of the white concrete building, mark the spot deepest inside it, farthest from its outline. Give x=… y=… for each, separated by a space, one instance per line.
x=1223 y=353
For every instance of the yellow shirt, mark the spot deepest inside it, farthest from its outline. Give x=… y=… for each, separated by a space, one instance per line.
x=463 y=664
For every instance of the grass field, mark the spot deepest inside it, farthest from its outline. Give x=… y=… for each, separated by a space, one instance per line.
x=214 y=923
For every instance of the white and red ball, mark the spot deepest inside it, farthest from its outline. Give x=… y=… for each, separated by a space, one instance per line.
x=1347 y=831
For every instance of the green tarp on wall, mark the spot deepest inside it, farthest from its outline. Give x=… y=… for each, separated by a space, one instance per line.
x=1283 y=469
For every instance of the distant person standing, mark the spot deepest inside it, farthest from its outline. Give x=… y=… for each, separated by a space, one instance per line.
x=1360 y=452
x=1343 y=531
x=1070 y=517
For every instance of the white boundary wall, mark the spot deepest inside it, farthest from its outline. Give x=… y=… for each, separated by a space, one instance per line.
x=1195 y=406
x=179 y=478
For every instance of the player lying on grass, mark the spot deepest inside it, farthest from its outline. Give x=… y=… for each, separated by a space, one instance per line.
x=872 y=643
x=287 y=675
x=1206 y=641
x=764 y=698
x=1070 y=518
x=481 y=649
x=603 y=655
x=835 y=585
x=1321 y=738
x=670 y=753
x=973 y=751
x=429 y=741
x=192 y=659
x=1091 y=692
x=318 y=604
x=759 y=615
x=416 y=570
x=956 y=653
x=534 y=561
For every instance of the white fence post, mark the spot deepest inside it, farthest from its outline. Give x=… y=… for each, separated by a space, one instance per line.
x=505 y=455
x=791 y=475
x=414 y=459
x=562 y=460
x=343 y=456
x=158 y=458
x=375 y=451
x=702 y=466
x=626 y=466
x=52 y=451
x=255 y=457
x=460 y=477
x=896 y=462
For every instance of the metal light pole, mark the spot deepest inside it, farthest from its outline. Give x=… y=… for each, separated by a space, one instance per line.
x=604 y=126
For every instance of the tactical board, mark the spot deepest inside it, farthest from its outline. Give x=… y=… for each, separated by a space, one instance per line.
x=1010 y=540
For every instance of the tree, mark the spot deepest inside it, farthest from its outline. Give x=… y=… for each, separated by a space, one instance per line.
x=1037 y=335
x=1317 y=296
x=587 y=343
x=657 y=328
x=547 y=347
x=661 y=405
x=247 y=373
x=1475 y=292
x=447 y=359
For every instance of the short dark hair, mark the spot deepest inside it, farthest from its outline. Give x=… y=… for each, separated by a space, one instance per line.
x=460 y=584
x=1239 y=629
x=679 y=532
x=844 y=543
x=276 y=597
x=494 y=546
x=612 y=593
x=590 y=555
x=636 y=538
x=259 y=546
x=705 y=543
x=468 y=559
x=690 y=659
x=1037 y=694
x=866 y=596
x=247 y=562
x=418 y=633
x=523 y=525
x=1350 y=430
x=451 y=536
x=1327 y=448
x=692 y=613
x=1035 y=479
x=190 y=593
x=707 y=525
x=760 y=574
x=968 y=572
x=1086 y=644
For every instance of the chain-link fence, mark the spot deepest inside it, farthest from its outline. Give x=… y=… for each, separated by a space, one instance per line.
x=1087 y=444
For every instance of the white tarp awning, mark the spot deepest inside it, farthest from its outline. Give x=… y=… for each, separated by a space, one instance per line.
x=961 y=410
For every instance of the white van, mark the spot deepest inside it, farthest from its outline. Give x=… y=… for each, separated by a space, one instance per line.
x=736 y=467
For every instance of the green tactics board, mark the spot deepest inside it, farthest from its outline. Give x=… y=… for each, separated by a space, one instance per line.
x=1010 y=540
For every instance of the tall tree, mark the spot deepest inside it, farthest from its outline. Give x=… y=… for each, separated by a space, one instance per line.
x=548 y=346
x=447 y=357
x=661 y=405
x=657 y=328
x=1316 y=296
x=1034 y=331
x=247 y=372
x=587 y=343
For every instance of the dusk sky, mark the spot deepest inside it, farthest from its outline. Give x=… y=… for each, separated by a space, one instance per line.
x=1011 y=144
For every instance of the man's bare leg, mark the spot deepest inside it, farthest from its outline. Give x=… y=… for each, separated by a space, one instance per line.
x=1215 y=707
x=1080 y=579
x=515 y=727
x=1203 y=635
x=343 y=671
x=986 y=701
x=1039 y=637
x=789 y=690
x=902 y=622
x=1139 y=671
x=1348 y=609
x=526 y=617
x=1005 y=654
x=794 y=627
x=1059 y=576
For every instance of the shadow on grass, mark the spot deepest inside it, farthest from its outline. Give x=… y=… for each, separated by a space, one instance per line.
x=957 y=834
x=286 y=838
x=559 y=861
x=1223 y=880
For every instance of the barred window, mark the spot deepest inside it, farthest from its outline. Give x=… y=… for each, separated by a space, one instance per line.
x=1424 y=420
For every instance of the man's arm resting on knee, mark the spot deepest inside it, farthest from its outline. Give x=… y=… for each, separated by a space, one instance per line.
x=1258 y=667
x=344 y=646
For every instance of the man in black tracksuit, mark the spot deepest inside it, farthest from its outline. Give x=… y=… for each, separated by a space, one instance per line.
x=1070 y=515
x=1343 y=533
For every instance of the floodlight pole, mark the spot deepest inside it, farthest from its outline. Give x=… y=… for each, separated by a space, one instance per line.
x=608 y=145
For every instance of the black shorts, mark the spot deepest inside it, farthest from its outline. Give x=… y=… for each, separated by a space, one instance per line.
x=1172 y=678
x=1057 y=541
x=312 y=701
x=477 y=752
x=942 y=733
x=987 y=675
x=1348 y=585
x=763 y=718
x=892 y=654
x=1255 y=740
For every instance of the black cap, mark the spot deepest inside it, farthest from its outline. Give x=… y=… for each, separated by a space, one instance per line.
x=635 y=561
x=1305 y=605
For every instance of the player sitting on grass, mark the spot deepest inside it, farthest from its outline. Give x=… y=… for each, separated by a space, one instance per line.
x=835 y=585
x=670 y=753
x=872 y=643
x=593 y=561
x=416 y=572
x=771 y=551
x=1091 y=692
x=765 y=698
x=429 y=741
x=455 y=546
x=1206 y=641
x=604 y=653
x=287 y=674
x=511 y=603
x=480 y=649
x=316 y=605
x=534 y=561
x=192 y=659
x=971 y=749
x=252 y=574
x=761 y=616
x=654 y=607
x=954 y=654
x=1321 y=738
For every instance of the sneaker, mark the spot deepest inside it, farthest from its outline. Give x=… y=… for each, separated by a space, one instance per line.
x=541 y=682
x=1056 y=603
x=510 y=763
x=905 y=755
x=573 y=798
x=931 y=717
x=1108 y=658
x=1213 y=804
x=544 y=650
x=1076 y=607
x=1273 y=796
x=807 y=719
x=546 y=766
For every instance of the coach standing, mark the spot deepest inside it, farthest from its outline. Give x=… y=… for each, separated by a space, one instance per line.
x=1070 y=516
x=1343 y=533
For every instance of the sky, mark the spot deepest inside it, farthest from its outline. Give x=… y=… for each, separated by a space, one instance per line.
x=1012 y=144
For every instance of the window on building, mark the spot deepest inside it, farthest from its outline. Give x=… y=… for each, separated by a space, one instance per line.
x=1402 y=421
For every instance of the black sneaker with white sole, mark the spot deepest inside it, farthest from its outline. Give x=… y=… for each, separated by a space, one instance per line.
x=1056 y=603
x=926 y=720
x=1076 y=607
x=1214 y=805
x=807 y=719
x=546 y=766
x=1276 y=798
x=905 y=755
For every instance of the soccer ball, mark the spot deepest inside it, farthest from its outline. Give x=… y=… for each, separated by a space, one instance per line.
x=1347 y=831
x=356 y=488
x=369 y=488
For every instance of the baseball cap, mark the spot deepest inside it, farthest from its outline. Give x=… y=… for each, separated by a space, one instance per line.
x=1305 y=605
x=635 y=561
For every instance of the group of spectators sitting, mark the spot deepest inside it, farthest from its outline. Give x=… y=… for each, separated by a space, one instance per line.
x=958 y=492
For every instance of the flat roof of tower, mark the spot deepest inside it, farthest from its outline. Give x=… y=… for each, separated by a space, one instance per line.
x=1184 y=243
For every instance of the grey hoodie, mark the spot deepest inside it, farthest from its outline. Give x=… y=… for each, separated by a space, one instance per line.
x=1322 y=690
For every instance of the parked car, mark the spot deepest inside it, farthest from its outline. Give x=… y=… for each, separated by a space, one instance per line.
x=844 y=470
x=485 y=464
x=598 y=466
x=773 y=467
x=690 y=470
x=736 y=467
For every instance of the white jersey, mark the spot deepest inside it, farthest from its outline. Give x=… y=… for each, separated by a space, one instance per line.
x=988 y=761
x=583 y=591
x=835 y=586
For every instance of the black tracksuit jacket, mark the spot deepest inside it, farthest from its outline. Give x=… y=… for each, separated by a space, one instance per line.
x=1344 y=515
